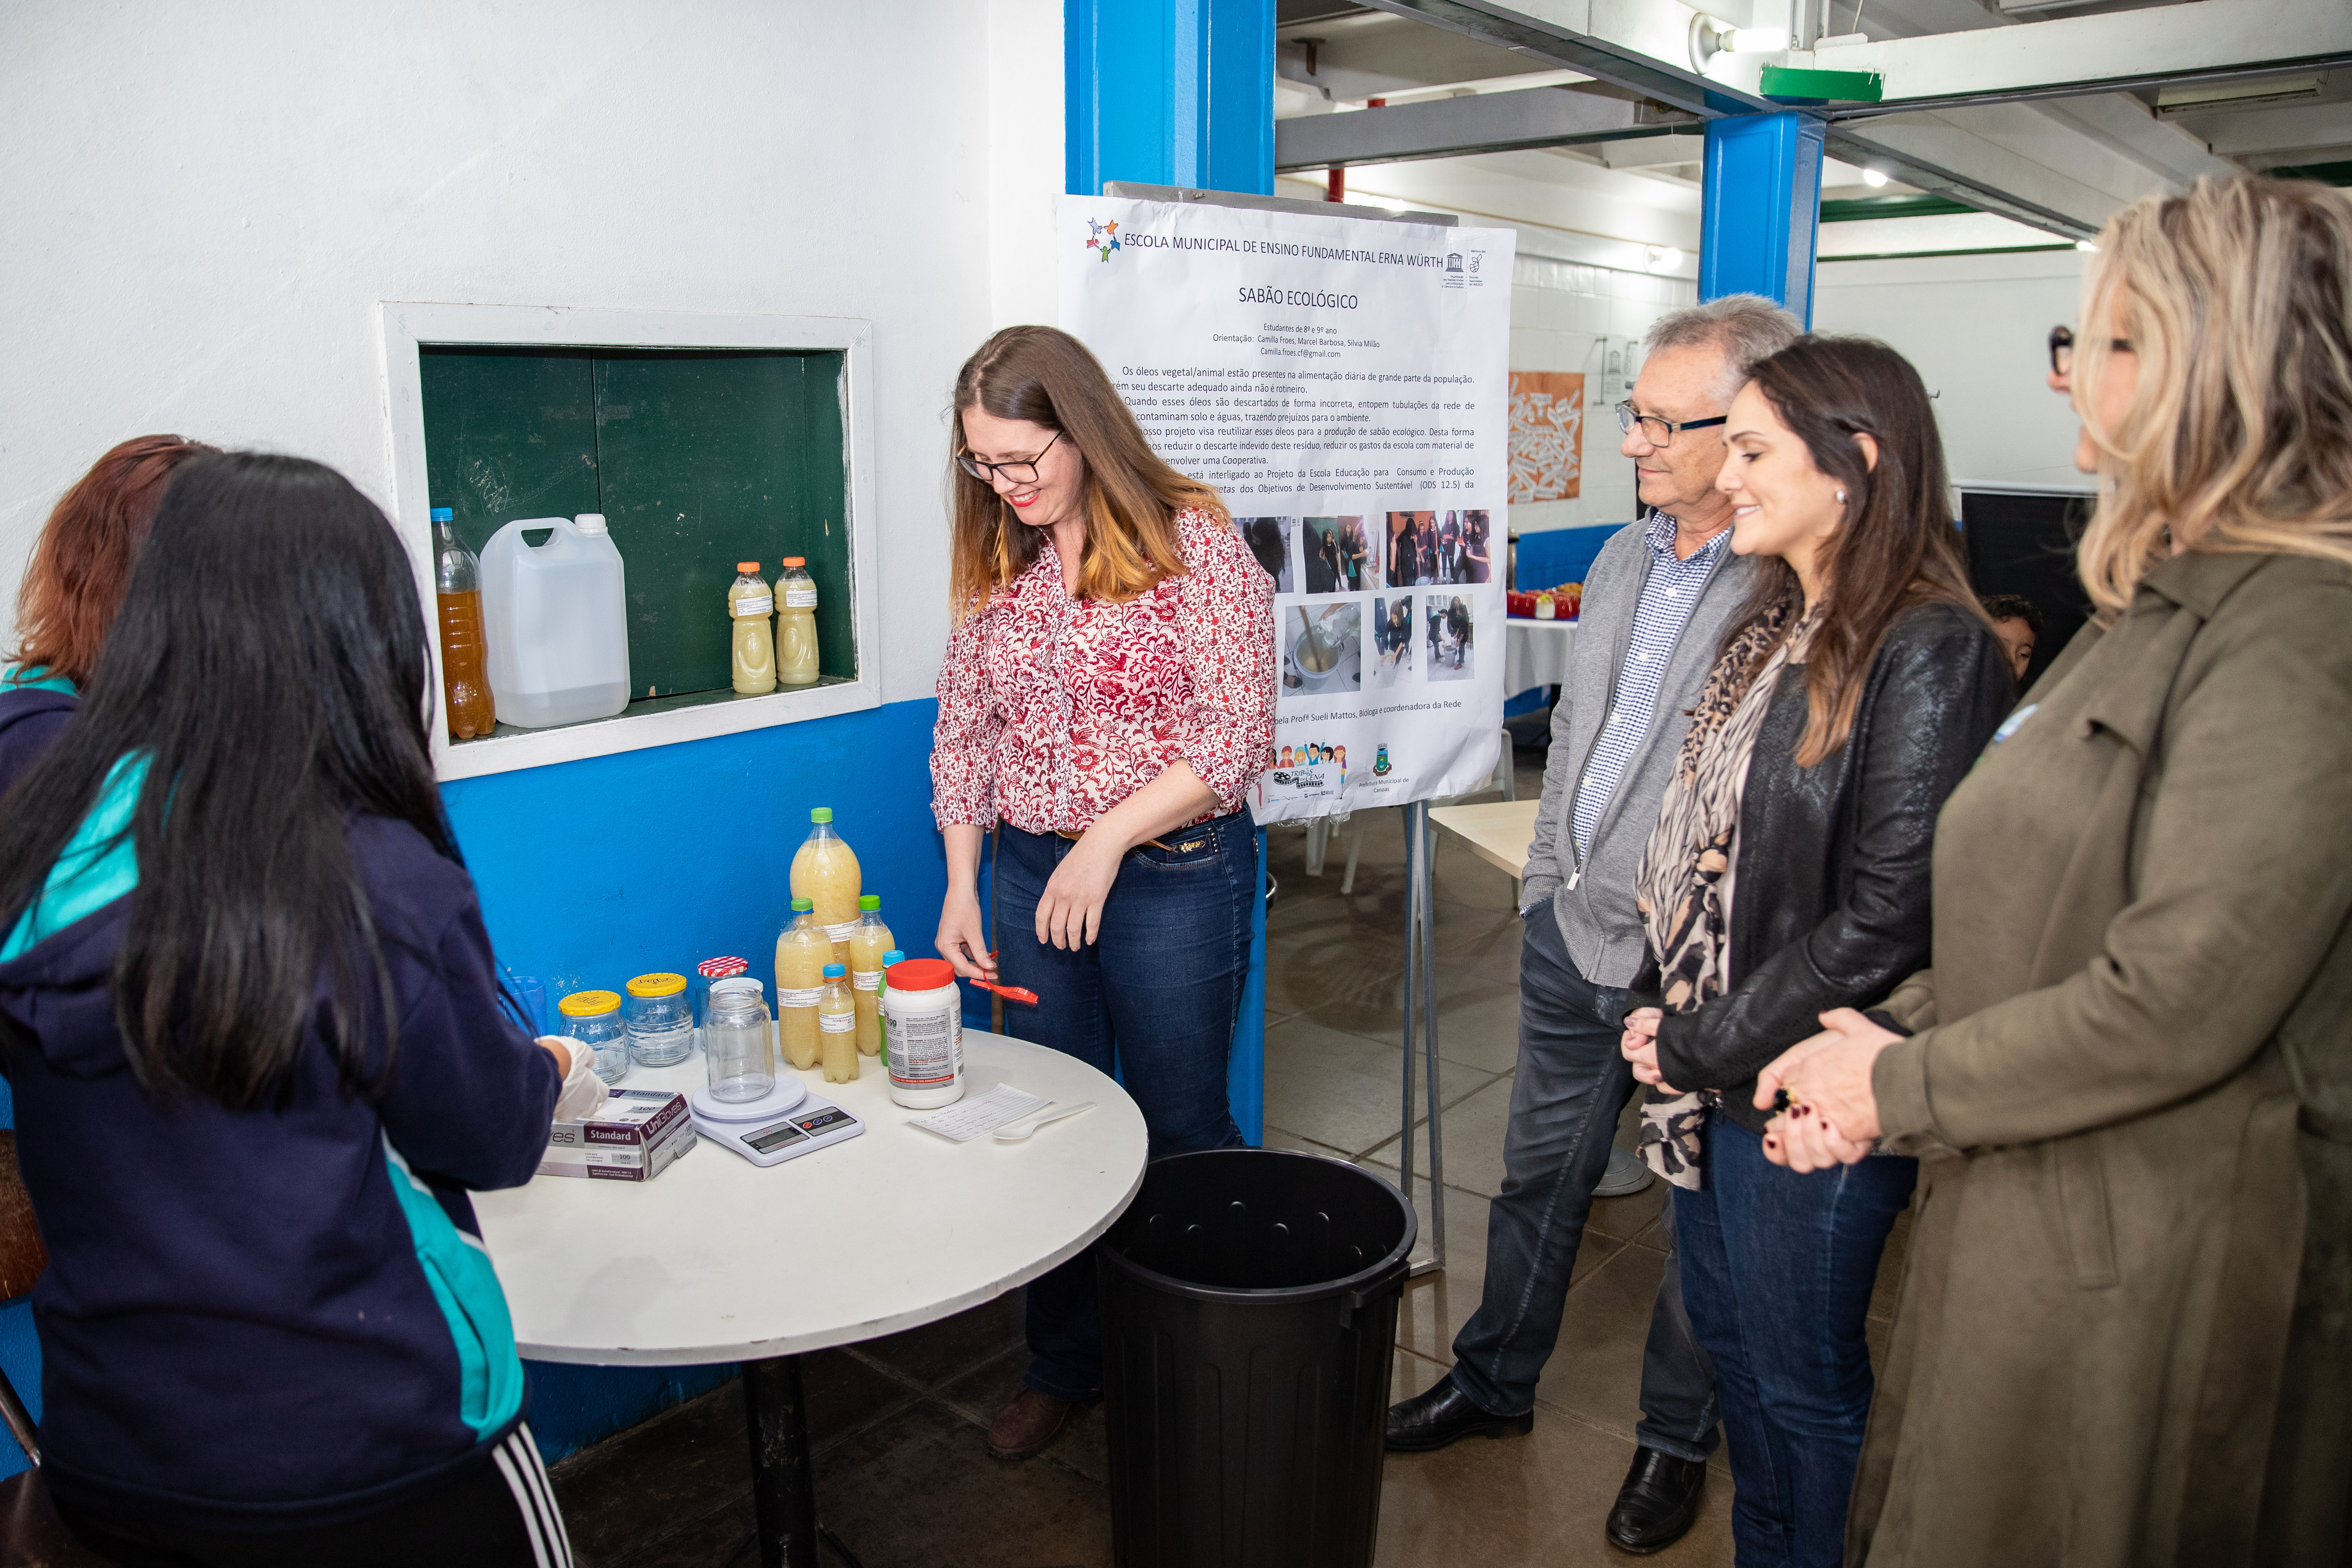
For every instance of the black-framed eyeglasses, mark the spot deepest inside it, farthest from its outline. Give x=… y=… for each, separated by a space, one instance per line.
x=1657 y=432
x=2062 y=349
x=1021 y=473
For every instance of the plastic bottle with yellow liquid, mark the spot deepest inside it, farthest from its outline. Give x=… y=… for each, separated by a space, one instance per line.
x=802 y=954
x=836 y=1023
x=824 y=870
x=749 y=605
x=796 y=624
x=870 y=939
x=457 y=584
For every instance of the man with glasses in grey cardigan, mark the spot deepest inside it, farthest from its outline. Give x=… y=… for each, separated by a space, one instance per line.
x=1656 y=603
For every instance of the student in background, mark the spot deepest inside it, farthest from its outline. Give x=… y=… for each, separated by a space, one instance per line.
x=1322 y=562
x=1476 y=564
x=1355 y=553
x=81 y=563
x=2018 y=619
x=253 y=1089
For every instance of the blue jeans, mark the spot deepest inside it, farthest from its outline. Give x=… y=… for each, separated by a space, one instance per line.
x=1155 y=995
x=1777 y=1271
x=1571 y=1085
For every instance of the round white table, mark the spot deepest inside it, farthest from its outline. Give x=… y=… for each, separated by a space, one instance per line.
x=718 y=1259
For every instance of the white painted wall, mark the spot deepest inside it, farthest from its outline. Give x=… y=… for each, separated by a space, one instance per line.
x=1025 y=160
x=1977 y=327
x=1568 y=316
x=205 y=202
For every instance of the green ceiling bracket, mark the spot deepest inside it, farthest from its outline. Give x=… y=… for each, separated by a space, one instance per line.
x=1786 y=84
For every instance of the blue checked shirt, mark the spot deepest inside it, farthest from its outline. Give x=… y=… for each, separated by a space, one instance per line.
x=1668 y=597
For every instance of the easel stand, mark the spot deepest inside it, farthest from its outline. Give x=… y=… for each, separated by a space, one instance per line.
x=1420 y=972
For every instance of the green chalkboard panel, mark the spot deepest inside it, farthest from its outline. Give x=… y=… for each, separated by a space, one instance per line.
x=707 y=458
x=698 y=458
x=509 y=433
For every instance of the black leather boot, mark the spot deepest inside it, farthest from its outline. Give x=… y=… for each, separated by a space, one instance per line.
x=1434 y=1419
x=1657 y=1503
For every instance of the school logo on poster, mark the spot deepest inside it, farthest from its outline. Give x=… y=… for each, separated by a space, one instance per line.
x=1104 y=238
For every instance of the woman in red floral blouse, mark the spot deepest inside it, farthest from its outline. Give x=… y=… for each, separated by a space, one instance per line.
x=1106 y=701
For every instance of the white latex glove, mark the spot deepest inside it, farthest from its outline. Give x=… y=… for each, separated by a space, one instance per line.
x=583 y=1092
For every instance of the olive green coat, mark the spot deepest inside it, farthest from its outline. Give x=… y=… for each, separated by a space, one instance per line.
x=2122 y=1336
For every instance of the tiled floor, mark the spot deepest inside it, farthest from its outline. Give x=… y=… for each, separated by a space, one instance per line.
x=904 y=1478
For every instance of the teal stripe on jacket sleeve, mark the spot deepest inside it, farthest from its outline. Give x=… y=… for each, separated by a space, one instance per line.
x=467 y=1287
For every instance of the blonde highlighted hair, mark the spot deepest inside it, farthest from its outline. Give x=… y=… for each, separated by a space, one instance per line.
x=1047 y=377
x=2237 y=300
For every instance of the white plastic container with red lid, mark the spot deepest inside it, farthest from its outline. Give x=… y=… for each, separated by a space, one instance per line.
x=926 y=1011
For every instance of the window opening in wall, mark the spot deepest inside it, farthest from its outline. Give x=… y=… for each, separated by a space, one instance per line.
x=698 y=458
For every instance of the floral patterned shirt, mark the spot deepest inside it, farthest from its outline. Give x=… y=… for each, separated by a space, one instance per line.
x=1054 y=710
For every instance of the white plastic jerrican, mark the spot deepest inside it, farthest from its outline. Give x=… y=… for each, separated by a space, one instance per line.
x=556 y=622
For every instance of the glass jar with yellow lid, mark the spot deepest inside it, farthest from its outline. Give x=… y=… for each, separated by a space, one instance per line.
x=593 y=1018
x=659 y=1017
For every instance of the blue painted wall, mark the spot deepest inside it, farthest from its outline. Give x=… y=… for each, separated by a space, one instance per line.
x=1760 y=208
x=1169 y=92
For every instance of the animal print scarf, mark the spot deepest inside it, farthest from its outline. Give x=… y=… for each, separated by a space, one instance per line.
x=1680 y=886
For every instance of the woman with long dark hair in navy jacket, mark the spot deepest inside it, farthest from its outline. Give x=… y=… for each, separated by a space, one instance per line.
x=253 y=1027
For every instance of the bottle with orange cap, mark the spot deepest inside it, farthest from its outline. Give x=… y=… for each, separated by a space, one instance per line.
x=749 y=605
x=796 y=624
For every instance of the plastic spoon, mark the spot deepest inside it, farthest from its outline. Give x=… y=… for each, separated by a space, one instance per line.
x=1013 y=1132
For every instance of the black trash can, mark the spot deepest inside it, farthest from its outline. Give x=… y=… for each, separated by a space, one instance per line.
x=1249 y=1307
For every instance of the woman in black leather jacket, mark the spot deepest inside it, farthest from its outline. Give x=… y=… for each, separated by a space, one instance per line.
x=1789 y=875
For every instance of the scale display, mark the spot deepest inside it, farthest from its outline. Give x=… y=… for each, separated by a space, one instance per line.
x=765 y=1138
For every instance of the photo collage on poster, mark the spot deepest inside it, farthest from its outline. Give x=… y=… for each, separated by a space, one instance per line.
x=1372 y=611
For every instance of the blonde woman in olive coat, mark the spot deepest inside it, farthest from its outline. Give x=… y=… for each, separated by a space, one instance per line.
x=2128 y=1076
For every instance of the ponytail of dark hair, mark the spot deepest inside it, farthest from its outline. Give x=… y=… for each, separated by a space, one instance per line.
x=270 y=662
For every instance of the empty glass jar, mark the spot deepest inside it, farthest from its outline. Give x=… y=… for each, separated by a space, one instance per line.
x=736 y=1046
x=593 y=1018
x=660 y=1020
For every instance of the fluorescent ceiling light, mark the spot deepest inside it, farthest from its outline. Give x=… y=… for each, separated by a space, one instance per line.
x=1874 y=178
x=2198 y=95
x=1663 y=257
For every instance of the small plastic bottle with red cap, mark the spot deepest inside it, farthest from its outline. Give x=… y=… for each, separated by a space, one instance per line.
x=925 y=1009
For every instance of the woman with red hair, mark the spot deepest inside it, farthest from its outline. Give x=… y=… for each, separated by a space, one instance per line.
x=81 y=566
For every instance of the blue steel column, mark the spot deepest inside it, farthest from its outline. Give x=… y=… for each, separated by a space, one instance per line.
x=1181 y=92
x=1169 y=92
x=1761 y=208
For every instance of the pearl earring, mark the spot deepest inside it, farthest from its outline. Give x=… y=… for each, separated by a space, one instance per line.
x=1841 y=495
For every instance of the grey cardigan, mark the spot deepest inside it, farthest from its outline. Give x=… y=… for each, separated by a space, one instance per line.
x=1594 y=903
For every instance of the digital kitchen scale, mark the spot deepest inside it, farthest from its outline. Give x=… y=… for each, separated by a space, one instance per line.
x=790 y=1120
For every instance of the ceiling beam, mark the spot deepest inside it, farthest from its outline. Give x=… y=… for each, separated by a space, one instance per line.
x=1451 y=127
x=1629 y=43
x=1960 y=160
x=2072 y=56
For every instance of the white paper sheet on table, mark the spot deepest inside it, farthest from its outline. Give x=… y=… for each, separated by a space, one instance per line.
x=968 y=1118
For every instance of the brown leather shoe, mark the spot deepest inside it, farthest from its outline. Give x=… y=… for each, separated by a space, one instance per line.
x=1027 y=1425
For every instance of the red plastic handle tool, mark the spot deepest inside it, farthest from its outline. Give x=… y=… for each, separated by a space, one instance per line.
x=1010 y=993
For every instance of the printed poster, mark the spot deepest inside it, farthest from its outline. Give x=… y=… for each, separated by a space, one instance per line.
x=1343 y=382
x=1547 y=435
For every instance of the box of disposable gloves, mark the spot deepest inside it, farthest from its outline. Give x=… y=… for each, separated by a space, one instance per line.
x=635 y=1136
